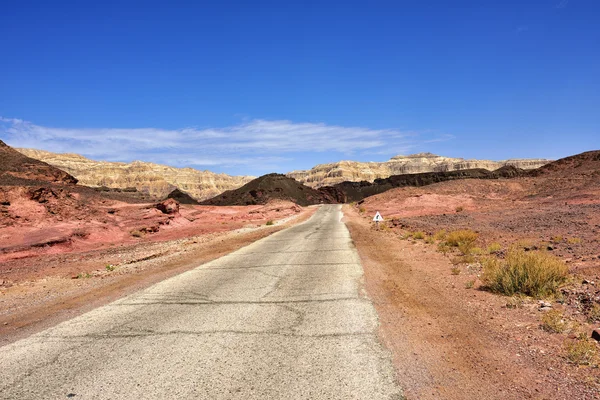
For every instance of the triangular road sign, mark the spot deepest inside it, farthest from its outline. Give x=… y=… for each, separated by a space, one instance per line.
x=377 y=217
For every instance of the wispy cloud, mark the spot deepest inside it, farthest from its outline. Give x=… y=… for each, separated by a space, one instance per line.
x=521 y=29
x=562 y=4
x=267 y=143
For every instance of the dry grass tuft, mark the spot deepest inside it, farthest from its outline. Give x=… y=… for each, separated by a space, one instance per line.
x=418 y=235
x=532 y=273
x=463 y=239
x=553 y=321
x=440 y=235
x=581 y=351
x=494 y=248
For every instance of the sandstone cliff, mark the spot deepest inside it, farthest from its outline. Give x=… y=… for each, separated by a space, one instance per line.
x=155 y=179
x=353 y=171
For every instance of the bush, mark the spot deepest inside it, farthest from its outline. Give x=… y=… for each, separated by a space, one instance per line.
x=494 y=247
x=418 y=235
x=581 y=351
x=593 y=313
x=465 y=236
x=463 y=239
x=270 y=222
x=440 y=235
x=553 y=321
x=532 y=273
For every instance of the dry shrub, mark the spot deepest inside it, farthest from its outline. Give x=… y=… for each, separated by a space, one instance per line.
x=440 y=235
x=494 y=247
x=443 y=248
x=593 y=313
x=574 y=240
x=469 y=284
x=581 y=351
x=455 y=270
x=270 y=222
x=532 y=273
x=418 y=235
x=465 y=237
x=553 y=321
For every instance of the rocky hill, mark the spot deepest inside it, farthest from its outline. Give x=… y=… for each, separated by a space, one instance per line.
x=356 y=191
x=271 y=187
x=16 y=166
x=353 y=171
x=154 y=179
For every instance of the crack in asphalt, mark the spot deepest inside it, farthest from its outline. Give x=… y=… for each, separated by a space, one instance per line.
x=234 y=302
x=144 y=334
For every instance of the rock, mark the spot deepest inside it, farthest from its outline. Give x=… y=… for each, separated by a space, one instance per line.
x=169 y=206
x=353 y=171
x=154 y=179
x=544 y=305
x=596 y=334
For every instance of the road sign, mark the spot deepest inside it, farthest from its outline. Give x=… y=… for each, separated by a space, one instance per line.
x=377 y=217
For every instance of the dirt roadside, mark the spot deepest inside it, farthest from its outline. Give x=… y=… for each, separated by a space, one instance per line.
x=33 y=306
x=454 y=342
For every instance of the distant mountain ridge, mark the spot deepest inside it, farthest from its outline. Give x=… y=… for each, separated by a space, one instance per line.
x=154 y=179
x=353 y=171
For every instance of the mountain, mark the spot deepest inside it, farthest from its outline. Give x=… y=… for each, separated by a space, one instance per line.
x=271 y=187
x=155 y=179
x=356 y=191
x=15 y=166
x=353 y=171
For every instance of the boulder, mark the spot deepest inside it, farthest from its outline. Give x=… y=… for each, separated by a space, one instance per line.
x=168 y=206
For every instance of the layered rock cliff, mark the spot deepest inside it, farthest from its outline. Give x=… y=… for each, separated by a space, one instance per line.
x=353 y=171
x=155 y=179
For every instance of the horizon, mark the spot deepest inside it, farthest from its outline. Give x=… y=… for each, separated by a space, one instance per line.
x=251 y=89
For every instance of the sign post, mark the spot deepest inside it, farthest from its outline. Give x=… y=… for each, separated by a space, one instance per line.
x=377 y=218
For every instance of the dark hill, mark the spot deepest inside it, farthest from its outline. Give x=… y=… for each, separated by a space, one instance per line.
x=16 y=168
x=270 y=187
x=585 y=164
x=182 y=197
x=355 y=191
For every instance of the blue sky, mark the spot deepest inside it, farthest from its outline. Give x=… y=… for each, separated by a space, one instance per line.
x=254 y=87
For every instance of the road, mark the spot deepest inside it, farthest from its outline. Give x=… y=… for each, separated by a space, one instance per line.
x=283 y=318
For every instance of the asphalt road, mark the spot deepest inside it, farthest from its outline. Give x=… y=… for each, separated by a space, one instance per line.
x=283 y=318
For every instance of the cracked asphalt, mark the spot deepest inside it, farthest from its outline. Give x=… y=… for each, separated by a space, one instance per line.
x=283 y=318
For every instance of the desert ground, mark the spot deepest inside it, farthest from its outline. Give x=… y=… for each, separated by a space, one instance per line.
x=66 y=249
x=452 y=338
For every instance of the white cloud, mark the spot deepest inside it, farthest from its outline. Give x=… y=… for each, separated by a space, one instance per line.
x=255 y=142
x=562 y=4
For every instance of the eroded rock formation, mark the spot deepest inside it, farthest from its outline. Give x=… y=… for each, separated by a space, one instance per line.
x=155 y=179
x=353 y=171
